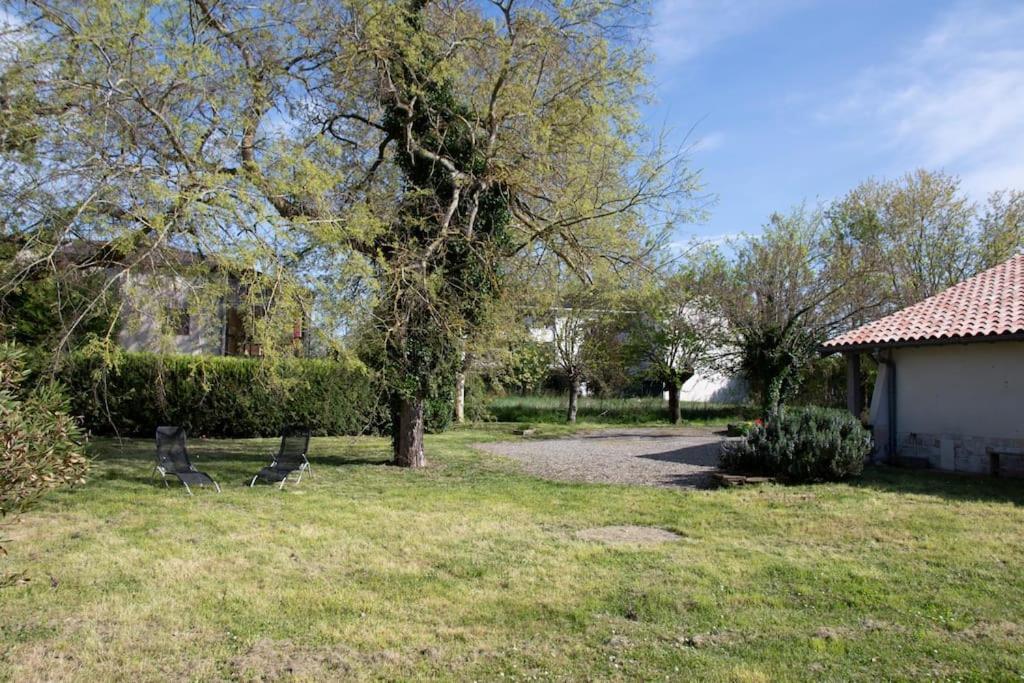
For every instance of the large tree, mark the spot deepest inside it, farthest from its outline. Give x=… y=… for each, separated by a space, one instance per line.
x=673 y=329
x=921 y=233
x=787 y=290
x=413 y=148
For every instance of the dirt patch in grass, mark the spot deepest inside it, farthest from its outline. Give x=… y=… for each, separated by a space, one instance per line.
x=713 y=639
x=619 y=535
x=275 y=660
x=1000 y=630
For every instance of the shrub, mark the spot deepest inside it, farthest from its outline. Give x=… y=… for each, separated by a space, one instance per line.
x=802 y=444
x=41 y=446
x=132 y=393
x=522 y=368
x=476 y=400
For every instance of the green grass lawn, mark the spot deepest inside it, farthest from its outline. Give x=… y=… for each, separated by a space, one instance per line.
x=471 y=570
x=549 y=409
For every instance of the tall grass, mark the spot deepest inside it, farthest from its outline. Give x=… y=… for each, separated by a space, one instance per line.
x=646 y=410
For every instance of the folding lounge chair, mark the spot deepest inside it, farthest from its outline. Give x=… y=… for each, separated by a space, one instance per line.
x=172 y=459
x=291 y=457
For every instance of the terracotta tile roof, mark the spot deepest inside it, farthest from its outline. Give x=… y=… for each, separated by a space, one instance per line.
x=987 y=305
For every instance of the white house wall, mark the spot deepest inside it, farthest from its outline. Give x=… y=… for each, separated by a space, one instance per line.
x=145 y=296
x=957 y=404
x=713 y=388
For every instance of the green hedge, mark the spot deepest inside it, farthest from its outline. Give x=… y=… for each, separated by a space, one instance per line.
x=132 y=393
x=802 y=444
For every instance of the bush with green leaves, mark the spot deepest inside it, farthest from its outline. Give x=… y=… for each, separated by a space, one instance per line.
x=800 y=445
x=41 y=446
x=522 y=368
x=132 y=393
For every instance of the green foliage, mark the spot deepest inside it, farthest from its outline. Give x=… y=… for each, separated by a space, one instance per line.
x=431 y=148
x=523 y=368
x=802 y=444
x=41 y=446
x=787 y=292
x=606 y=360
x=823 y=382
x=475 y=407
x=20 y=129
x=650 y=410
x=132 y=393
x=773 y=359
x=32 y=310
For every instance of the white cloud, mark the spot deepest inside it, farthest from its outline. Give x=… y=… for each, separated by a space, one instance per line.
x=682 y=29
x=709 y=142
x=953 y=100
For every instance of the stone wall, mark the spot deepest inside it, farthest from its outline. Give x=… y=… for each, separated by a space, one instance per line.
x=963 y=453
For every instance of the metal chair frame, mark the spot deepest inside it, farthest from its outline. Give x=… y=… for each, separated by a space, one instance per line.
x=164 y=472
x=303 y=467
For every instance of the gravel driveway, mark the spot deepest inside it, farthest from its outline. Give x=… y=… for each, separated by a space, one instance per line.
x=655 y=457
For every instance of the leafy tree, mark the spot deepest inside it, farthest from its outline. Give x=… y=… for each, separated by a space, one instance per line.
x=31 y=312
x=673 y=329
x=568 y=331
x=783 y=296
x=407 y=152
x=914 y=232
x=920 y=234
x=1001 y=228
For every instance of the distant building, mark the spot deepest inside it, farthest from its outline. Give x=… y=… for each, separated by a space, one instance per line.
x=159 y=317
x=706 y=386
x=176 y=302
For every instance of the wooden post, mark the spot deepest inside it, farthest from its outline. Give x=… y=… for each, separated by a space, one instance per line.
x=854 y=390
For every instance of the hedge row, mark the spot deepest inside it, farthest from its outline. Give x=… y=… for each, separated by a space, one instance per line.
x=132 y=393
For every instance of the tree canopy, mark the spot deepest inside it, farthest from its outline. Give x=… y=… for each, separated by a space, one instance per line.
x=404 y=152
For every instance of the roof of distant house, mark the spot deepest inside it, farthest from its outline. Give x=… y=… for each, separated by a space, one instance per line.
x=986 y=307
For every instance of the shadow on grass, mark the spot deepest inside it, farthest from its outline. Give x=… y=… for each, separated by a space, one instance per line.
x=132 y=460
x=948 y=485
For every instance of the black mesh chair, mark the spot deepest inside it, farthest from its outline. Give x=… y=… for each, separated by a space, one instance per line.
x=172 y=460
x=291 y=457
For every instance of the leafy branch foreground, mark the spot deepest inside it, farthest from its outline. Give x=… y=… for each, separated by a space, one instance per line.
x=896 y=576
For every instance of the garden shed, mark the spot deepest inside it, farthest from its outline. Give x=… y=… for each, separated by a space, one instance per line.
x=949 y=392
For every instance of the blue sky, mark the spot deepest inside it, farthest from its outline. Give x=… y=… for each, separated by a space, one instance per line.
x=797 y=100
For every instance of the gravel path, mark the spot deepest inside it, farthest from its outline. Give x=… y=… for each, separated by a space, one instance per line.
x=655 y=457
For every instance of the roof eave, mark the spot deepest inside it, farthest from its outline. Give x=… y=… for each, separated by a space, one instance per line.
x=942 y=341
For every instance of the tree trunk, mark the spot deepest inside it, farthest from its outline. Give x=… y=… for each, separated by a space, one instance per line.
x=460 y=397
x=674 y=412
x=409 y=444
x=574 y=394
